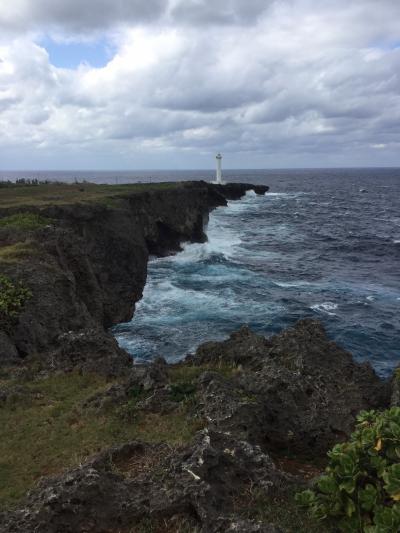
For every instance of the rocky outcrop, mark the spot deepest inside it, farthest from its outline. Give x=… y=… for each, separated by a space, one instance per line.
x=297 y=391
x=88 y=268
x=234 y=191
x=127 y=487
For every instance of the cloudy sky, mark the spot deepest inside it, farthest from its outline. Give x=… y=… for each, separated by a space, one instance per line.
x=136 y=84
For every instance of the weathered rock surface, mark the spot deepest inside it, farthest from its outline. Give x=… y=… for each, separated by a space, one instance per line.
x=296 y=391
x=90 y=268
x=120 y=488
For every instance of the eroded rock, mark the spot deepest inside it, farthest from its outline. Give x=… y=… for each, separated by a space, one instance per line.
x=297 y=391
x=123 y=486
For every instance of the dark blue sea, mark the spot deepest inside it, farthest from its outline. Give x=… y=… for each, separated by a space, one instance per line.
x=322 y=244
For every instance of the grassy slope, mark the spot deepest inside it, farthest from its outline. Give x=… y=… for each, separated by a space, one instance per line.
x=58 y=194
x=44 y=429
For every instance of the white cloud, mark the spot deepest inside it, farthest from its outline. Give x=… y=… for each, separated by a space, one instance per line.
x=287 y=77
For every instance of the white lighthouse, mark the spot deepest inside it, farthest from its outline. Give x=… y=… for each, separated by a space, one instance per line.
x=218 y=179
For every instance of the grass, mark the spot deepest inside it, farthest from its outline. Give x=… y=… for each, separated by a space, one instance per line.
x=14 y=253
x=181 y=374
x=278 y=507
x=176 y=524
x=59 y=194
x=24 y=221
x=44 y=430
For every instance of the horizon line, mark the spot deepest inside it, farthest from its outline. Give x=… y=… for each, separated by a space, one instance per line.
x=198 y=169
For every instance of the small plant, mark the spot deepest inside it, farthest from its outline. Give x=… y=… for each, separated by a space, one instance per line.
x=128 y=410
x=360 y=491
x=12 y=299
x=182 y=391
x=135 y=393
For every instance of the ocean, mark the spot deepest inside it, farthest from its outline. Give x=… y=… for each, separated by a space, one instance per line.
x=322 y=243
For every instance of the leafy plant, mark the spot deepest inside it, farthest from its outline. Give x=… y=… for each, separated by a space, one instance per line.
x=360 y=490
x=12 y=299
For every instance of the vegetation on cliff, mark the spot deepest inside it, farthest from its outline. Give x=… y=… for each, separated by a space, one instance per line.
x=24 y=221
x=52 y=424
x=360 y=491
x=45 y=427
x=49 y=194
x=247 y=422
x=13 y=296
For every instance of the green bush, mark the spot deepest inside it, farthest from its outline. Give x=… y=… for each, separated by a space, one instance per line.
x=12 y=299
x=360 y=490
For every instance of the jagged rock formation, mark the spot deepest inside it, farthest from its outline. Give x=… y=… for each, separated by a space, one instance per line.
x=117 y=490
x=295 y=392
x=88 y=268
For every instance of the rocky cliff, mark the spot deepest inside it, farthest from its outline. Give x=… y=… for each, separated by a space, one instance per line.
x=87 y=267
x=268 y=410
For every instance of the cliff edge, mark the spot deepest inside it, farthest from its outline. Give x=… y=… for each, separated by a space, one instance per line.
x=82 y=252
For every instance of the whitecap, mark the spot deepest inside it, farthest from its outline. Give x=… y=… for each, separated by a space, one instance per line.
x=325 y=307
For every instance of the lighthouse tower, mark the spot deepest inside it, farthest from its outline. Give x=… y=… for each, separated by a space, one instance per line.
x=218 y=178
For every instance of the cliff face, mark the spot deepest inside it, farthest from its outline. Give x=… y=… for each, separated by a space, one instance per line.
x=89 y=268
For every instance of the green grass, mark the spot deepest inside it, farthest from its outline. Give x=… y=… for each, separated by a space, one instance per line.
x=44 y=430
x=59 y=194
x=17 y=252
x=24 y=221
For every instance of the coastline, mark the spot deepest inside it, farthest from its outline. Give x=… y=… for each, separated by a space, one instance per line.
x=86 y=263
x=219 y=442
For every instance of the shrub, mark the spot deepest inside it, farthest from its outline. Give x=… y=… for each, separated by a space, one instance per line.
x=360 y=490
x=12 y=299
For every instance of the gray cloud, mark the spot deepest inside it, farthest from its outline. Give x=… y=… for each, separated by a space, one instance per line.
x=77 y=15
x=234 y=12
x=273 y=83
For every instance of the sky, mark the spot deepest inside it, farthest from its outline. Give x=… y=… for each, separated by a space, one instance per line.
x=165 y=84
